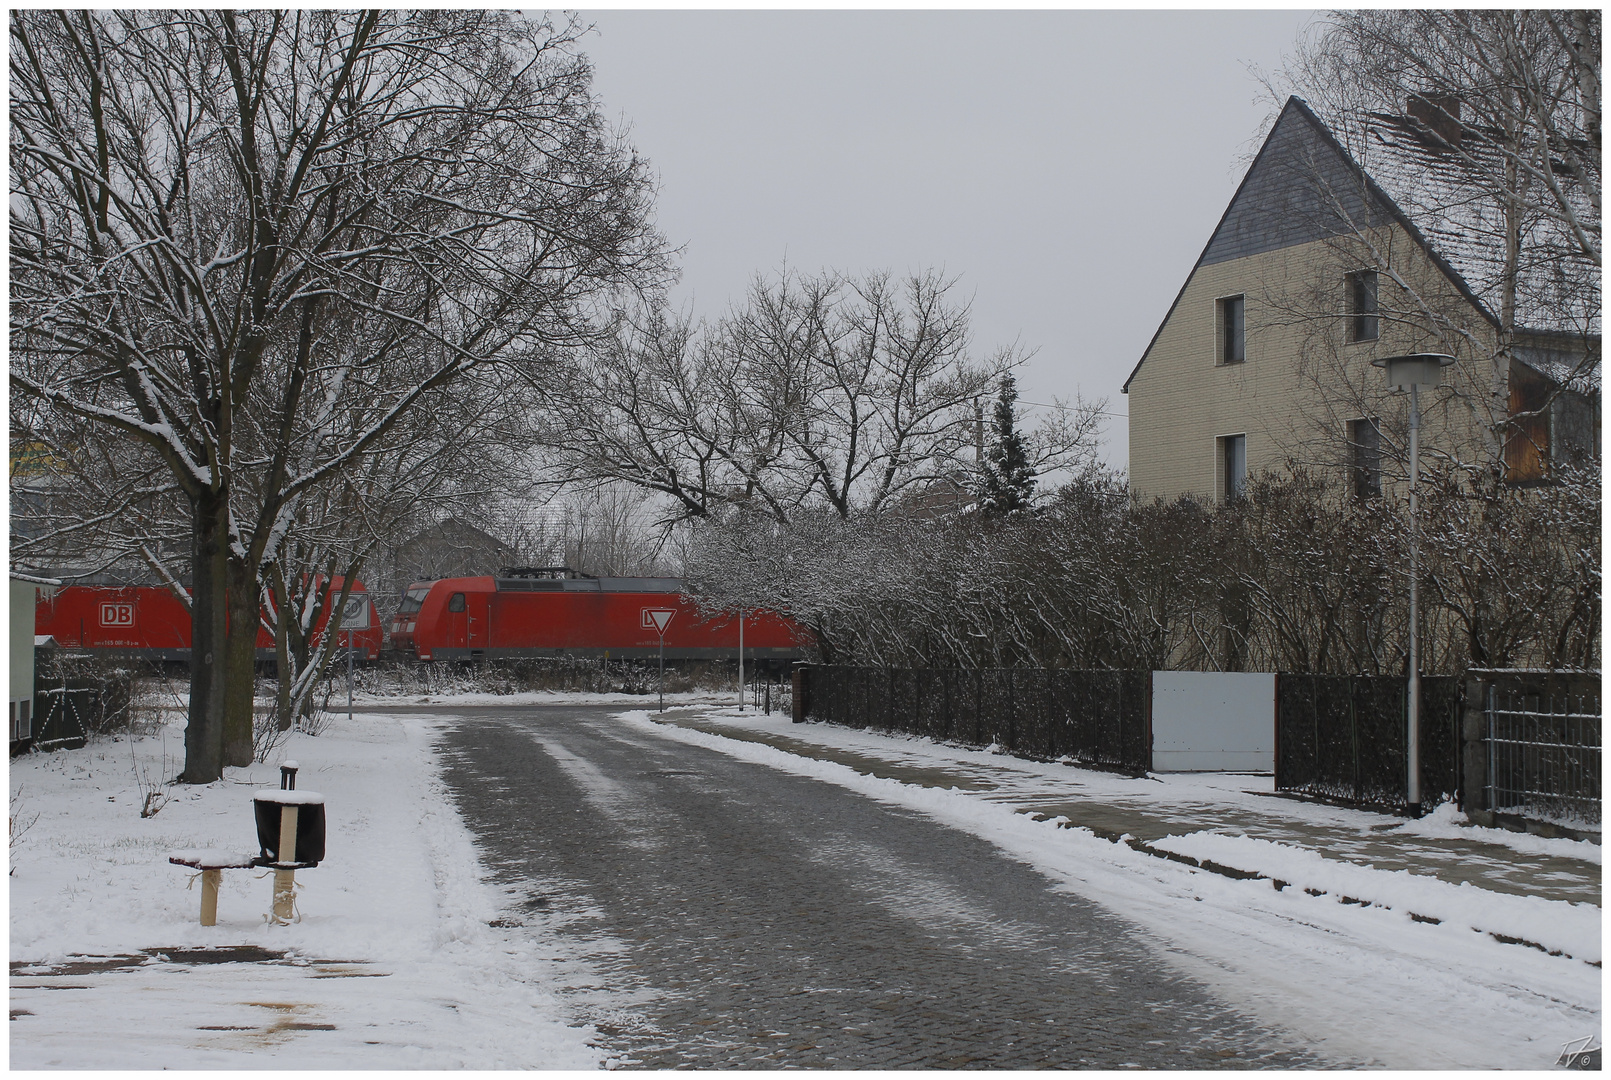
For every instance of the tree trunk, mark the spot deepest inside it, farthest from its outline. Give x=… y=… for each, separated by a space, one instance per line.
x=240 y=670
x=204 y=733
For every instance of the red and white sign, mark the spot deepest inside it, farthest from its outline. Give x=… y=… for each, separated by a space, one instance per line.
x=355 y=616
x=656 y=619
x=117 y=614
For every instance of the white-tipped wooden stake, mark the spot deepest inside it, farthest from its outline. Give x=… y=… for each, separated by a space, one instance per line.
x=285 y=880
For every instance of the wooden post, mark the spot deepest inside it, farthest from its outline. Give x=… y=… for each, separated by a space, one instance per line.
x=285 y=880
x=209 y=896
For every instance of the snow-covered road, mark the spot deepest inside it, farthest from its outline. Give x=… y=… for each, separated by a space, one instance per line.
x=743 y=918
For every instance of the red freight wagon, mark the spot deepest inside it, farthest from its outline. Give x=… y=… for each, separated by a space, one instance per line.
x=150 y=620
x=540 y=613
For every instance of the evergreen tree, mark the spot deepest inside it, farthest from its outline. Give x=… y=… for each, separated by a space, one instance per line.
x=1009 y=482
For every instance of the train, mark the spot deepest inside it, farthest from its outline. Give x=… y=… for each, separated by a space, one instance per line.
x=555 y=611
x=149 y=622
x=517 y=612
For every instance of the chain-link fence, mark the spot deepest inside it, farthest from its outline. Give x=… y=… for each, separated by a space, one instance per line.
x=1345 y=737
x=1101 y=717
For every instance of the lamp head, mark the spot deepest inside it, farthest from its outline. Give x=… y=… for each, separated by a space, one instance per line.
x=1416 y=369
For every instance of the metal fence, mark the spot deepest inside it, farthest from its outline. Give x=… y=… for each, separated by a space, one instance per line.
x=1344 y=737
x=1543 y=753
x=1100 y=717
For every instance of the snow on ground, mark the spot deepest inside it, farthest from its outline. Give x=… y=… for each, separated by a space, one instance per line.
x=527 y=697
x=400 y=901
x=1356 y=982
x=413 y=975
x=1163 y=792
x=1557 y=925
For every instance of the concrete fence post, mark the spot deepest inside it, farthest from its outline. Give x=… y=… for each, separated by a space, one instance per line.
x=801 y=690
x=1474 y=754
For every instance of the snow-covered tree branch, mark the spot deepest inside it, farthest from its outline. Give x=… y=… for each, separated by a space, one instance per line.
x=256 y=243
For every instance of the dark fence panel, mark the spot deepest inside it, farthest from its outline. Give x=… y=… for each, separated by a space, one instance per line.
x=1443 y=698
x=67 y=711
x=1101 y=717
x=1345 y=737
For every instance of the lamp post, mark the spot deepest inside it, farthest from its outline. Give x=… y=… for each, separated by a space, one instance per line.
x=1411 y=373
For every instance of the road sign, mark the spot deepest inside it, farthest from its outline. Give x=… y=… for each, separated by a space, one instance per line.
x=658 y=618
x=355 y=615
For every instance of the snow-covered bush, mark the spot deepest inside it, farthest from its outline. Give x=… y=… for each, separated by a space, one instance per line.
x=1295 y=576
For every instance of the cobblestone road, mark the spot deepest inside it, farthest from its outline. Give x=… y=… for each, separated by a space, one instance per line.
x=763 y=920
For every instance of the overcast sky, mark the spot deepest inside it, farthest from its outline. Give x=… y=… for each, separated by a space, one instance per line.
x=1067 y=166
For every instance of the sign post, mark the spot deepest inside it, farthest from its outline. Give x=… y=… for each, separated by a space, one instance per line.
x=354 y=616
x=659 y=618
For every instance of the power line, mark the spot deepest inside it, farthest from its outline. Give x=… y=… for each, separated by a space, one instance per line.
x=1070 y=408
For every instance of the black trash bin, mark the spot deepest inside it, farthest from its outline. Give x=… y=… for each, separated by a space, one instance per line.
x=309 y=826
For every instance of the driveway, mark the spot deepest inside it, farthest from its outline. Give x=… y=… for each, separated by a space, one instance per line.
x=738 y=917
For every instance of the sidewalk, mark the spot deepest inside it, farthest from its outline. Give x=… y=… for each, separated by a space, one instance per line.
x=1233 y=821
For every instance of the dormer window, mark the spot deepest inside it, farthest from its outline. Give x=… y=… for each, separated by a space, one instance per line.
x=1364 y=324
x=1232 y=320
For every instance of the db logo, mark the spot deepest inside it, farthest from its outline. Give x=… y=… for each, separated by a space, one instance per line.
x=117 y=614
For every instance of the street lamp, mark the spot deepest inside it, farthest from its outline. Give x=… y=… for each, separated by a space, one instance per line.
x=1411 y=373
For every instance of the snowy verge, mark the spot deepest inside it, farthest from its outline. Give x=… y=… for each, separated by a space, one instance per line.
x=1558 y=926
x=1446 y=822
x=401 y=893
x=1358 y=983
x=338 y=706
x=1241 y=791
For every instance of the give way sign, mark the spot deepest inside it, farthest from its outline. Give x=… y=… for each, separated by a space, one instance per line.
x=659 y=618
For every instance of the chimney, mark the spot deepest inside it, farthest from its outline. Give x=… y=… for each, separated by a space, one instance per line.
x=1440 y=113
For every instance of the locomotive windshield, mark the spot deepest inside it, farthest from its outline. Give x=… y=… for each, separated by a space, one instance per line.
x=412 y=601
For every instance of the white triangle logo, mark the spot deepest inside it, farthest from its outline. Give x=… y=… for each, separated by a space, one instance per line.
x=661 y=617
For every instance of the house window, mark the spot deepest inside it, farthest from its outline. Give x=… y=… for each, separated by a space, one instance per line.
x=1232 y=330
x=456 y=602
x=1364 y=324
x=1232 y=467
x=1365 y=457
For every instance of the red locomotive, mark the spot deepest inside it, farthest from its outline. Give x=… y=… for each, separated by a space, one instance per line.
x=149 y=620
x=553 y=611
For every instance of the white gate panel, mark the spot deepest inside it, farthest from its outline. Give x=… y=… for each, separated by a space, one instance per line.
x=1213 y=721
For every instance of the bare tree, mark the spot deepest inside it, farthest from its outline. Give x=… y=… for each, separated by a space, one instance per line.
x=1485 y=127
x=254 y=242
x=850 y=393
x=1523 y=88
